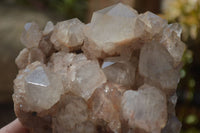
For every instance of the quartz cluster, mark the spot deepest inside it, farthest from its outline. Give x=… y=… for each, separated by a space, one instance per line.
x=116 y=74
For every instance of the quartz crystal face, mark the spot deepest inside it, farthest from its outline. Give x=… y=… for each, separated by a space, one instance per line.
x=116 y=74
x=68 y=34
x=145 y=109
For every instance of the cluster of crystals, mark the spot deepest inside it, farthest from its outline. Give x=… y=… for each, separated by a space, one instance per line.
x=117 y=74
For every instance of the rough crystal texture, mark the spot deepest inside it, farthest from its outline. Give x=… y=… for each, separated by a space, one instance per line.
x=120 y=71
x=104 y=105
x=81 y=76
x=116 y=74
x=156 y=65
x=145 y=109
x=68 y=34
x=73 y=112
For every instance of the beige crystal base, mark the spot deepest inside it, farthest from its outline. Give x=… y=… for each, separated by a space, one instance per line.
x=116 y=74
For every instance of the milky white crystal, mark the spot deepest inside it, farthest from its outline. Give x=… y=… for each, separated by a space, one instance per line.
x=41 y=88
x=31 y=35
x=68 y=34
x=111 y=28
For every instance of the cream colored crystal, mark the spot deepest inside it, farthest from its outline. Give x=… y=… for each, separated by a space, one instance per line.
x=48 y=28
x=145 y=109
x=104 y=105
x=68 y=34
x=116 y=74
x=36 y=54
x=31 y=35
x=171 y=40
x=120 y=71
x=40 y=87
x=72 y=110
x=153 y=22
x=110 y=29
x=80 y=76
x=156 y=65
x=22 y=59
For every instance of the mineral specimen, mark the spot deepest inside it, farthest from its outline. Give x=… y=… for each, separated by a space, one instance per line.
x=116 y=74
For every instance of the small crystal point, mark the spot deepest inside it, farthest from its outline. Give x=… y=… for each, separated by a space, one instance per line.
x=48 y=28
x=68 y=34
x=31 y=35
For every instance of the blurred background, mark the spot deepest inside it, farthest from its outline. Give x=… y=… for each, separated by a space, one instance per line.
x=15 y=13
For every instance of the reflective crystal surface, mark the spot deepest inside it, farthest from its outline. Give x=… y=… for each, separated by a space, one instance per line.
x=41 y=87
x=116 y=74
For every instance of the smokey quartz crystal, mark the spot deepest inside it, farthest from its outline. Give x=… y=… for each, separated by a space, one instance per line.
x=116 y=74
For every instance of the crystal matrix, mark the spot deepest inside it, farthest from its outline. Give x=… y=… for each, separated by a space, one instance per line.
x=116 y=74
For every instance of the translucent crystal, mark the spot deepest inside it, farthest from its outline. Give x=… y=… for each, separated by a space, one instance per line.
x=81 y=76
x=41 y=88
x=46 y=46
x=119 y=9
x=171 y=40
x=110 y=29
x=31 y=35
x=22 y=59
x=145 y=109
x=156 y=65
x=86 y=78
x=116 y=74
x=36 y=54
x=48 y=28
x=104 y=105
x=121 y=72
x=68 y=34
x=153 y=22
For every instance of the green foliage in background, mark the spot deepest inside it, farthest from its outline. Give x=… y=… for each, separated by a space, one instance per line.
x=70 y=8
x=66 y=9
x=187 y=13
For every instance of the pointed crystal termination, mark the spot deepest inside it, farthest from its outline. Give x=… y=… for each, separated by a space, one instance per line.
x=68 y=34
x=31 y=35
x=40 y=87
x=171 y=40
x=48 y=28
x=116 y=74
x=80 y=76
x=110 y=28
x=153 y=22
x=22 y=58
